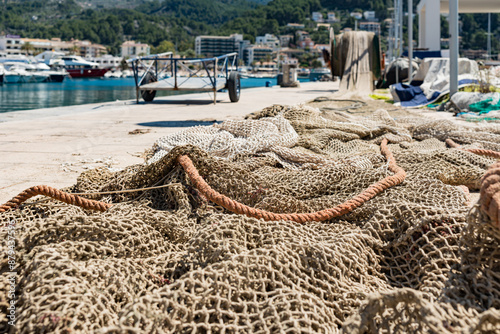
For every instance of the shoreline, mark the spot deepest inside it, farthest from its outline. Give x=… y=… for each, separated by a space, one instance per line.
x=53 y=146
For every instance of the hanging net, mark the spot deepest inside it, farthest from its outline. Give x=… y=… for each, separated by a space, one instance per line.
x=417 y=257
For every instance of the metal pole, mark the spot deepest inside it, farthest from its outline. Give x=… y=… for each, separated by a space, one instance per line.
x=410 y=40
x=453 y=46
x=489 y=36
x=401 y=28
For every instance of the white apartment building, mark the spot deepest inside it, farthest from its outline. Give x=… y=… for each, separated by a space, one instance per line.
x=257 y=53
x=370 y=16
x=317 y=16
x=13 y=44
x=370 y=26
x=331 y=17
x=134 y=49
x=268 y=40
x=107 y=61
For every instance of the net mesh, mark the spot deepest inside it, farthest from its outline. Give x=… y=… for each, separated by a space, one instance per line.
x=416 y=258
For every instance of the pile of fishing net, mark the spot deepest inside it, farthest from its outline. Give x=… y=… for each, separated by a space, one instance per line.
x=415 y=258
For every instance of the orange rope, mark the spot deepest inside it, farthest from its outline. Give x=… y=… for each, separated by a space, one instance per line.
x=226 y=202
x=490 y=183
x=478 y=151
x=56 y=194
x=327 y=214
x=490 y=193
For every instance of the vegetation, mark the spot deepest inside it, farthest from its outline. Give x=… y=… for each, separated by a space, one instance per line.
x=180 y=21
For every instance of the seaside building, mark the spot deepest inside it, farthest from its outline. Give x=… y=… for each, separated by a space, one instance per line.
x=302 y=35
x=134 y=49
x=317 y=16
x=356 y=15
x=370 y=26
x=285 y=40
x=107 y=61
x=290 y=53
x=295 y=25
x=319 y=25
x=370 y=16
x=11 y=44
x=87 y=49
x=212 y=46
x=257 y=53
x=266 y=66
x=331 y=17
x=306 y=43
x=268 y=40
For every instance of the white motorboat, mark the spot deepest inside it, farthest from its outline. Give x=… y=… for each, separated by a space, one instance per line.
x=55 y=74
x=113 y=74
x=15 y=74
x=127 y=74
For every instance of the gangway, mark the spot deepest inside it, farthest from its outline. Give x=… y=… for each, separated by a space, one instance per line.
x=164 y=72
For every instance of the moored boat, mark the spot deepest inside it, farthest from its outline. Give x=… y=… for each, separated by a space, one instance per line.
x=78 y=67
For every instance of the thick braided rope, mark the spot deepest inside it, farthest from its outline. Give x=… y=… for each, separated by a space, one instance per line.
x=478 y=151
x=490 y=193
x=55 y=194
x=490 y=184
x=327 y=214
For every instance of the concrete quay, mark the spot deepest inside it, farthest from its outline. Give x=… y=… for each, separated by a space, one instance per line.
x=53 y=146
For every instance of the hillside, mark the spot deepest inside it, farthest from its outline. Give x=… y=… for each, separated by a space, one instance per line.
x=180 y=21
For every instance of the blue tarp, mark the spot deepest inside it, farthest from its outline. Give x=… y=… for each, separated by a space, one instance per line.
x=413 y=96
x=424 y=54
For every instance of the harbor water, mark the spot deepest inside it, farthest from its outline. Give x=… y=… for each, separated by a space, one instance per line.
x=81 y=91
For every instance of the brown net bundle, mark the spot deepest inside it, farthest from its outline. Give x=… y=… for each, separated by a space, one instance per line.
x=167 y=260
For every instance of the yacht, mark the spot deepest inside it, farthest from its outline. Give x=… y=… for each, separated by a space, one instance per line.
x=15 y=72
x=78 y=67
x=319 y=74
x=54 y=73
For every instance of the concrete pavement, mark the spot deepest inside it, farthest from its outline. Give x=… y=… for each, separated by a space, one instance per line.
x=53 y=146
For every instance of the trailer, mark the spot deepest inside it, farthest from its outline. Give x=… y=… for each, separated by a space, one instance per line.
x=164 y=72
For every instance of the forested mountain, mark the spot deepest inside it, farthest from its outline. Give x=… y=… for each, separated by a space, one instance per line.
x=110 y=22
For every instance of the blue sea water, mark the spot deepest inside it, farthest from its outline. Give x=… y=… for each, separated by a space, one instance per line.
x=80 y=91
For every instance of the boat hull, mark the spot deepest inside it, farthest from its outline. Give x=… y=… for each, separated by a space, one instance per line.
x=56 y=77
x=87 y=73
x=11 y=78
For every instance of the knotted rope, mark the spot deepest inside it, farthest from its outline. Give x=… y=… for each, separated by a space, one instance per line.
x=478 y=151
x=323 y=215
x=490 y=183
x=226 y=202
x=55 y=194
x=490 y=193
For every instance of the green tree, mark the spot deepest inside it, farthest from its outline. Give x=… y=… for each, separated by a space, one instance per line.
x=165 y=46
x=28 y=48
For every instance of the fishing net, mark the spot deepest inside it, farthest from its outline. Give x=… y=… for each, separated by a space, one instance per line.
x=356 y=60
x=415 y=258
